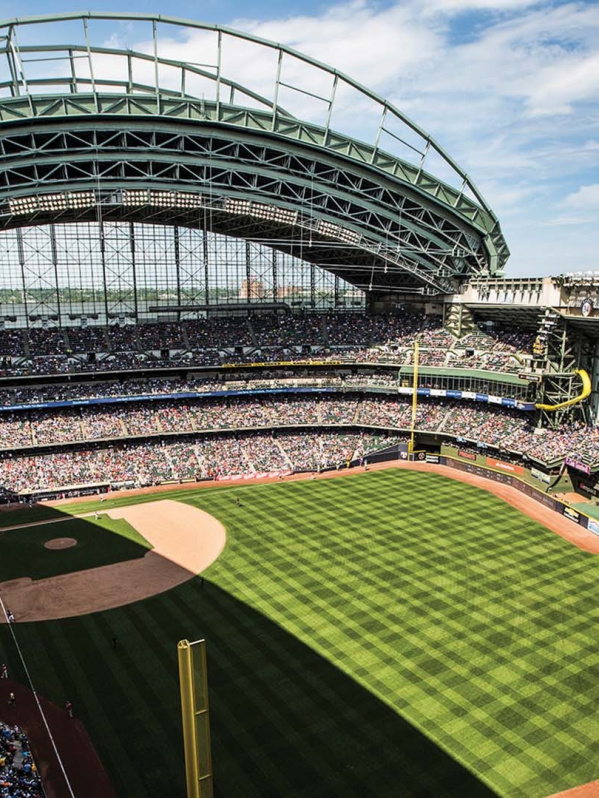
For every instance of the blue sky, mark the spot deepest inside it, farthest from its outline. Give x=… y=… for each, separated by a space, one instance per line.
x=510 y=88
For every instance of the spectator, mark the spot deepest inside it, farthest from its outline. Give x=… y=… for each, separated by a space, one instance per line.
x=18 y=773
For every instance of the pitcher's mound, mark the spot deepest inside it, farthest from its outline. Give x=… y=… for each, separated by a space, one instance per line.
x=186 y=540
x=60 y=543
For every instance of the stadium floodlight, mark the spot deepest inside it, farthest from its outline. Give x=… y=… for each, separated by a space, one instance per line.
x=20 y=206
x=185 y=199
x=261 y=210
x=335 y=231
x=163 y=199
x=23 y=205
x=272 y=213
x=81 y=199
x=136 y=196
x=241 y=207
x=52 y=202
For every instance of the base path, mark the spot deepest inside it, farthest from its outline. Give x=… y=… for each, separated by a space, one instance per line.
x=186 y=540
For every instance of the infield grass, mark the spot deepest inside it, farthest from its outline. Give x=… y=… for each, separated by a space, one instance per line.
x=99 y=542
x=390 y=634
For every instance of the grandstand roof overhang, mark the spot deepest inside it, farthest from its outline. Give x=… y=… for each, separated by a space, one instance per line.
x=588 y=326
x=89 y=131
x=527 y=316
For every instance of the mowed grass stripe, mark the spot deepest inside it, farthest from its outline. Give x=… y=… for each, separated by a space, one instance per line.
x=125 y=695
x=268 y=712
x=92 y=705
x=343 y=616
x=339 y=761
x=488 y=647
x=251 y=705
x=477 y=617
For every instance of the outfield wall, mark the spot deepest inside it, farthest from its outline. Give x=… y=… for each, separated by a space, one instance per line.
x=512 y=474
x=500 y=472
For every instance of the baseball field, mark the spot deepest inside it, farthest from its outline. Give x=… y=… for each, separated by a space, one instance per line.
x=387 y=634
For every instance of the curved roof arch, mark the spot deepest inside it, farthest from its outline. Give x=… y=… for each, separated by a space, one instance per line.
x=273 y=146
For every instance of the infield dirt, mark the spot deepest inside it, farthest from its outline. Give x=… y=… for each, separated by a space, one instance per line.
x=185 y=541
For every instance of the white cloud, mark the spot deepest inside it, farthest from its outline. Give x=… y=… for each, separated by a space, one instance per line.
x=565 y=221
x=375 y=46
x=564 y=84
x=457 y=6
x=586 y=198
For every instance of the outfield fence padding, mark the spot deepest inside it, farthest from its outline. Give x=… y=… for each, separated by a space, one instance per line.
x=552 y=502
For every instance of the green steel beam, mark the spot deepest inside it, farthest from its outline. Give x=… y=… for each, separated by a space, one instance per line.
x=445 y=234
x=443 y=195
x=76 y=160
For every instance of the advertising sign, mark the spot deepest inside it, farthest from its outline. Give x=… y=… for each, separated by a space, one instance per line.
x=261 y=364
x=571 y=514
x=510 y=467
x=573 y=463
x=591 y=489
x=541 y=475
x=593 y=526
x=587 y=307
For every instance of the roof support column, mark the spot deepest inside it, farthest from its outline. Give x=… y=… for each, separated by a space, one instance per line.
x=206 y=264
x=248 y=272
x=133 y=270
x=177 y=252
x=21 y=254
x=103 y=257
x=54 y=253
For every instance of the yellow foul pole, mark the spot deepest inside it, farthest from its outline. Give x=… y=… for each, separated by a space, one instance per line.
x=192 y=776
x=414 y=399
x=193 y=678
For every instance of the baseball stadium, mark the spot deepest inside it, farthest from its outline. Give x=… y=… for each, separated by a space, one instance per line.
x=265 y=387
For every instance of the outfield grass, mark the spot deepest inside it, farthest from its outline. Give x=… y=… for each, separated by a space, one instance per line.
x=390 y=634
x=99 y=542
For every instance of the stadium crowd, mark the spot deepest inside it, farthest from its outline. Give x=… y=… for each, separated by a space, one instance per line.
x=139 y=464
x=21 y=395
x=92 y=390
x=332 y=336
x=491 y=425
x=260 y=337
x=289 y=330
x=18 y=774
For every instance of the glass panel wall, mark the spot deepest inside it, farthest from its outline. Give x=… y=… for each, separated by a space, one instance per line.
x=98 y=273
